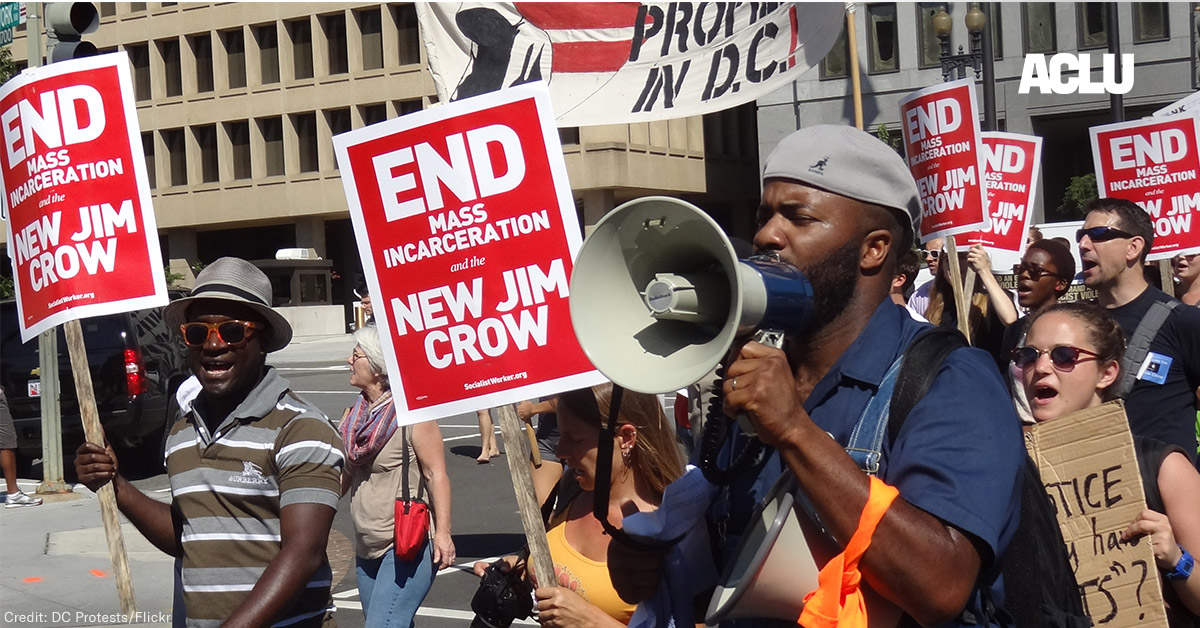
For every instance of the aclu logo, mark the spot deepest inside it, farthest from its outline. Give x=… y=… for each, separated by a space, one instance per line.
x=1047 y=75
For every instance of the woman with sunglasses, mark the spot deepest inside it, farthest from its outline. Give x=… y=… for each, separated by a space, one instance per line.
x=645 y=459
x=1043 y=277
x=378 y=456
x=1070 y=361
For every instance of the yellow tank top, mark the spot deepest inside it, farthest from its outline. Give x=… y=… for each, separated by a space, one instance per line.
x=587 y=577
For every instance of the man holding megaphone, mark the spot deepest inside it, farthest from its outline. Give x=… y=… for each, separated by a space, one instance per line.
x=840 y=205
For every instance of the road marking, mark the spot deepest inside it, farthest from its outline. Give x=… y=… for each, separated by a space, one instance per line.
x=440 y=613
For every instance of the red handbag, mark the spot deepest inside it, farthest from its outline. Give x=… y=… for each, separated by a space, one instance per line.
x=412 y=517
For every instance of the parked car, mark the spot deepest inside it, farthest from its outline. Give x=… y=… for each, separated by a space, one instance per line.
x=136 y=365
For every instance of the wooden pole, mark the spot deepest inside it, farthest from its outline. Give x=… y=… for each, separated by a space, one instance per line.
x=960 y=300
x=851 y=34
x=522 y=479
x=534 y=454
x=1166 y=277
x=94 y=434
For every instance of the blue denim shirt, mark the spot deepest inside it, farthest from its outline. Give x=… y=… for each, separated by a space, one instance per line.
x=957 y=457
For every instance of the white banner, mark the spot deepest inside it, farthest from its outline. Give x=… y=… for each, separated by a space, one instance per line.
x=622 y=62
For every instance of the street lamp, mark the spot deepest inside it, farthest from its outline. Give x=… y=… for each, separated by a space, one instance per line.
x=976 y=21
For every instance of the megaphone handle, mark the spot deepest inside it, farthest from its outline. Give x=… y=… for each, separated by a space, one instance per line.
x=772 y=338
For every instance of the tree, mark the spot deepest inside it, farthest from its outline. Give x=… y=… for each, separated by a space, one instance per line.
x=8 y=67
x=1080 y=191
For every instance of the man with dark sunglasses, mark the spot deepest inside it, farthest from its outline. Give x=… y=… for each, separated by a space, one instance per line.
x=1161 y=404
x=254 y=468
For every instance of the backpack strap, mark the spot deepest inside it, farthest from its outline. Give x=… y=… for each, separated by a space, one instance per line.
x=922 y=360
x=1139 y=344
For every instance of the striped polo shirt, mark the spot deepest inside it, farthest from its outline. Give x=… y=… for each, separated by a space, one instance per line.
x=273 y=450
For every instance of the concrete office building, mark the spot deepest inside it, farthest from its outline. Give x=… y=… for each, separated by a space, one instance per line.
x=898 y=53
x=238 y=103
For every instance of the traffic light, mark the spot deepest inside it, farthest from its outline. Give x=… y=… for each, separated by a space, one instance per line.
x=65 y=22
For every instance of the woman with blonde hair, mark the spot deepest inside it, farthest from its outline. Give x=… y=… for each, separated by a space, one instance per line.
x=645 y=458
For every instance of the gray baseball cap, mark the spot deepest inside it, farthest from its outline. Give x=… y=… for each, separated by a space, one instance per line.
x=848 y=162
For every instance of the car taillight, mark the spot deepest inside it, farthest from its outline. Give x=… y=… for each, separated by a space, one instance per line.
x=135 y=375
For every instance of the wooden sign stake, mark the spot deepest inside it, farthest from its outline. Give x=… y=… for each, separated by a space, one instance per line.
x=94 y=434
x=1166 y=276
x=960 y=299
x=522 y=479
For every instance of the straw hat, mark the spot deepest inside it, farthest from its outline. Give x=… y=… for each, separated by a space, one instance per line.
x=234 y=279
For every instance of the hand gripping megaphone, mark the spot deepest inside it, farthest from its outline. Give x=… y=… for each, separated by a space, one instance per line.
x=658 y=295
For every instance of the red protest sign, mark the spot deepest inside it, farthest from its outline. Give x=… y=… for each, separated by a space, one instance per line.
x=81 y=230
x=1155 y=163
x=1010 y=172
x=467 y=230
x=941 y=133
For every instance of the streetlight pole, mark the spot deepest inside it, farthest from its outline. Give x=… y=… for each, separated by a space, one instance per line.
x=989 y=71
x=1116 y=102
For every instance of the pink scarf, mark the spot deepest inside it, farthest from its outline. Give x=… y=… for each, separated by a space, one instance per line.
x=368 y=427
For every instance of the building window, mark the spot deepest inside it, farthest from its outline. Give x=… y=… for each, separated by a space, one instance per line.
x=148 y=152
x=370 y=25
x=108 y=9
x=568 y=136
x=202 y=49
x=335 y=41
x=373 y=114
x=235 y=57
x=882 y=43
x=168 y=49
x=410 y=36
x=931 y=48
x=176 y=146
x=1038 y=27
x=405 y=107
x=206 y=140
x=835 y=63
x=306 y=141
x=139 y=58
x=272 y=134
x=267 y=38
x=1150 y=22
x=239 y=141
x=300 y=32
x=135 y=7
x=1091 y=18
x=339 y=122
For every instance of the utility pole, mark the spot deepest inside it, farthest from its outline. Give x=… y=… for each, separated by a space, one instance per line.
x=52 y=455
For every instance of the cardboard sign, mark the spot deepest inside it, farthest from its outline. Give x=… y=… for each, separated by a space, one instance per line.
x=622 y=62
x=467 y=230
x=1155 y=163
x=1090 y=473
x=81 y=230
x=1011 y=164
x=941 y=139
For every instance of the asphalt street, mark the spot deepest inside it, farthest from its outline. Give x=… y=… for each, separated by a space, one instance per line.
x=54 y=566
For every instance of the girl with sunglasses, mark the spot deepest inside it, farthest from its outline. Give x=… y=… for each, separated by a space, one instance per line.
x=1071 y=359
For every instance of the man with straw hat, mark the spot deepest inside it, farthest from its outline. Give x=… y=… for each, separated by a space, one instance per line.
x=254 y=468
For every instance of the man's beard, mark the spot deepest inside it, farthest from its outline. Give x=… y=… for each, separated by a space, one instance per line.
x=834 y=280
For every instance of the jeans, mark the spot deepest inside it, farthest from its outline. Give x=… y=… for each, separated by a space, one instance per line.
x=391 y=592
